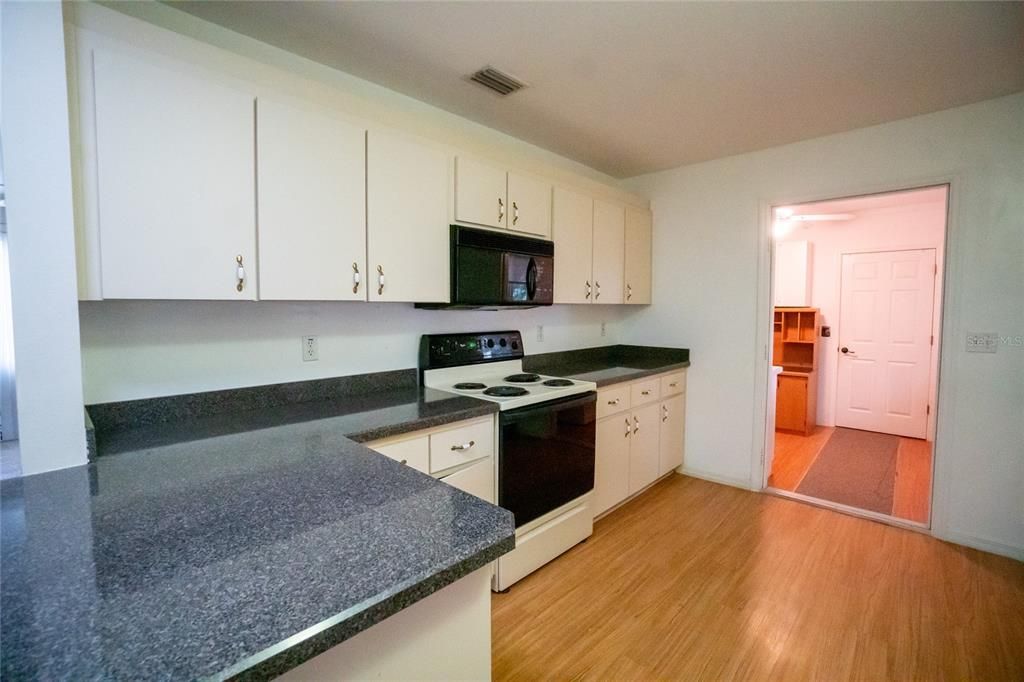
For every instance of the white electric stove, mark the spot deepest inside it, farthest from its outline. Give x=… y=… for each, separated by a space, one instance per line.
x=546 y=443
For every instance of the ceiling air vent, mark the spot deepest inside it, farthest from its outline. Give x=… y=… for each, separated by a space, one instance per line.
x=495 y=80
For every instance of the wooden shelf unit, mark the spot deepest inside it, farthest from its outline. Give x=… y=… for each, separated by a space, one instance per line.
x=795 y=349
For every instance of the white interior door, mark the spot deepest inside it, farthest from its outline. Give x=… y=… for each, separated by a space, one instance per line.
x=885 y=329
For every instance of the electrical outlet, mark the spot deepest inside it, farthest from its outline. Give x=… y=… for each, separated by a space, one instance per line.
x=540 y=333
x=604 y=328
x=310 y=349
x=982 y=342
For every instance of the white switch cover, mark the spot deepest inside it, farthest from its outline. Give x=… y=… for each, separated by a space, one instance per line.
x=982 y=342
x=540 y=333
x=310 y=349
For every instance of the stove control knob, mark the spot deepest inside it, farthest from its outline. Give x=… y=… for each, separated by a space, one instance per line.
x=515 y=345
x=502 y=342
x=490 y=343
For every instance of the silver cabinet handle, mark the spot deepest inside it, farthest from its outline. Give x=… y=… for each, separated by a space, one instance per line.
x=629 y=291
x=627 y=427
x=636 y=425
x=615 y=402
x=239 y=273
x=597 y=287
x=464 y=446
x=589 y=288
x=380 y=280
x=501 y=209
x=664 y=413
x=645 y=392
x=404 y=461
x=355 y=278
x=515 y=213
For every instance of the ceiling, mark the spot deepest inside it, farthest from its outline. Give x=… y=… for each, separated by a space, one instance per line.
x=871 y=202
x=633 y=87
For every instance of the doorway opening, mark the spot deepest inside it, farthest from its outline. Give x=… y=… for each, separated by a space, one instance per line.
x=856 y=313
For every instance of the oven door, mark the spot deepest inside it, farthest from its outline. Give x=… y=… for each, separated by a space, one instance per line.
x=546 y=455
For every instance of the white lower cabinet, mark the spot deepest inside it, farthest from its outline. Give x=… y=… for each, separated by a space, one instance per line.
x=639 y=436
x=460 y=454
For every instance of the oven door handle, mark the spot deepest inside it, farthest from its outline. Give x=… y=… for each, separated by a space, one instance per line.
x=521 y=413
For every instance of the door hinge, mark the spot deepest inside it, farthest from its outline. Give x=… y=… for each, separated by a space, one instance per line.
x=931 y=340
x=928 y=409
x=936 y=269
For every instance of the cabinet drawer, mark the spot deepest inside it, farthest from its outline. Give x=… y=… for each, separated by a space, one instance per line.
x=476 y=479
x=672 y=384
x=461 y=445
x=645 y=391
x=415 y=452
x=612 y=400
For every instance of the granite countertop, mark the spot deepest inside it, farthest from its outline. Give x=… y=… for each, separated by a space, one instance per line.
x=249 y=543
x=607 y=365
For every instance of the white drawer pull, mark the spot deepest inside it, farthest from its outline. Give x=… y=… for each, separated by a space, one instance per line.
x=615 y=402
x=464 y=446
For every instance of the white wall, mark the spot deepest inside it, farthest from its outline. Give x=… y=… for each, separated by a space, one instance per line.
x=711 y=239
x=41 y=237
x=918 y=223
x=138 y=349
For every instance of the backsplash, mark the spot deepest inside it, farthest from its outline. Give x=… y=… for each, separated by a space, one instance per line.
x=143 y=349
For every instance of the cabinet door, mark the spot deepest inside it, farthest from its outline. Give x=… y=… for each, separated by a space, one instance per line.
x=481 y=193
x=529 y=200
x=573 y=231
x=312 y=204
x=791 y=403
x=609 y=244
x=673 y=423
x=643 y=450
x=176 y=193
x=638 y=256
x=407 y=186
x=611 y=469
x=476 y=479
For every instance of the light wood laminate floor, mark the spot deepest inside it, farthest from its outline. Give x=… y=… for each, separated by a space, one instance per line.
x=695 y=580
x=794 y=455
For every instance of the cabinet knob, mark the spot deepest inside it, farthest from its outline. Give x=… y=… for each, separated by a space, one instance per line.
x=673 y=384
x=515 y=213
x=380 y=280
x=636 y=425
x=501 y=209
x=629 y=292
x=664 y=413
x=615 y=402
x=627 y=427
x=404 y=461
x=645 y=392
x=355 y=278
x=239 y=273
x=464 y=446
x=589 y=288
x=597 y=287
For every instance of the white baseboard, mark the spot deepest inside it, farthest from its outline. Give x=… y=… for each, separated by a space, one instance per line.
x=715 y=478
x=984 y=544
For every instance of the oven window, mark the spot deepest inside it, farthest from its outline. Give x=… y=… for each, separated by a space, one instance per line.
x=546 y=457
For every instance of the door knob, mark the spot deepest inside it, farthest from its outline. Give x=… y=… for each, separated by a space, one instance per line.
x=844 y=350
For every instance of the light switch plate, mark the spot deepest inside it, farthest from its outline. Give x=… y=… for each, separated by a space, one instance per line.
x=982 y=342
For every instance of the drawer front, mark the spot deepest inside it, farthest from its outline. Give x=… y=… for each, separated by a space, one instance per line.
x=673 y=384
x=461 y=445
x=613 y=399
x=476 y=479
x=415 y=452
x=645 y=391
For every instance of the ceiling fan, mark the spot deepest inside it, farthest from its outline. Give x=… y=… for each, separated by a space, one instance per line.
x=785 y=219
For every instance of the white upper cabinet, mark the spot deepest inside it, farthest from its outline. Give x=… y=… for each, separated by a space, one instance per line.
x=529 y=202
x=481 y=193
x=573 y=232
x=407 y=189
x=174 y=168
x=638 y=256
x=312 y=204
x=609 y=256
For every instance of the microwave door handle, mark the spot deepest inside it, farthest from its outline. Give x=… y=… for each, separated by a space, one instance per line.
x=531 y=280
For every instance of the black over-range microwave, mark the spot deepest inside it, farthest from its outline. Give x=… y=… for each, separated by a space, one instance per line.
x=495 y=270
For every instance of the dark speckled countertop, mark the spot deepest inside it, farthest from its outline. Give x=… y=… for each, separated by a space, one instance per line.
x=608 y=365
x=207 y=545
